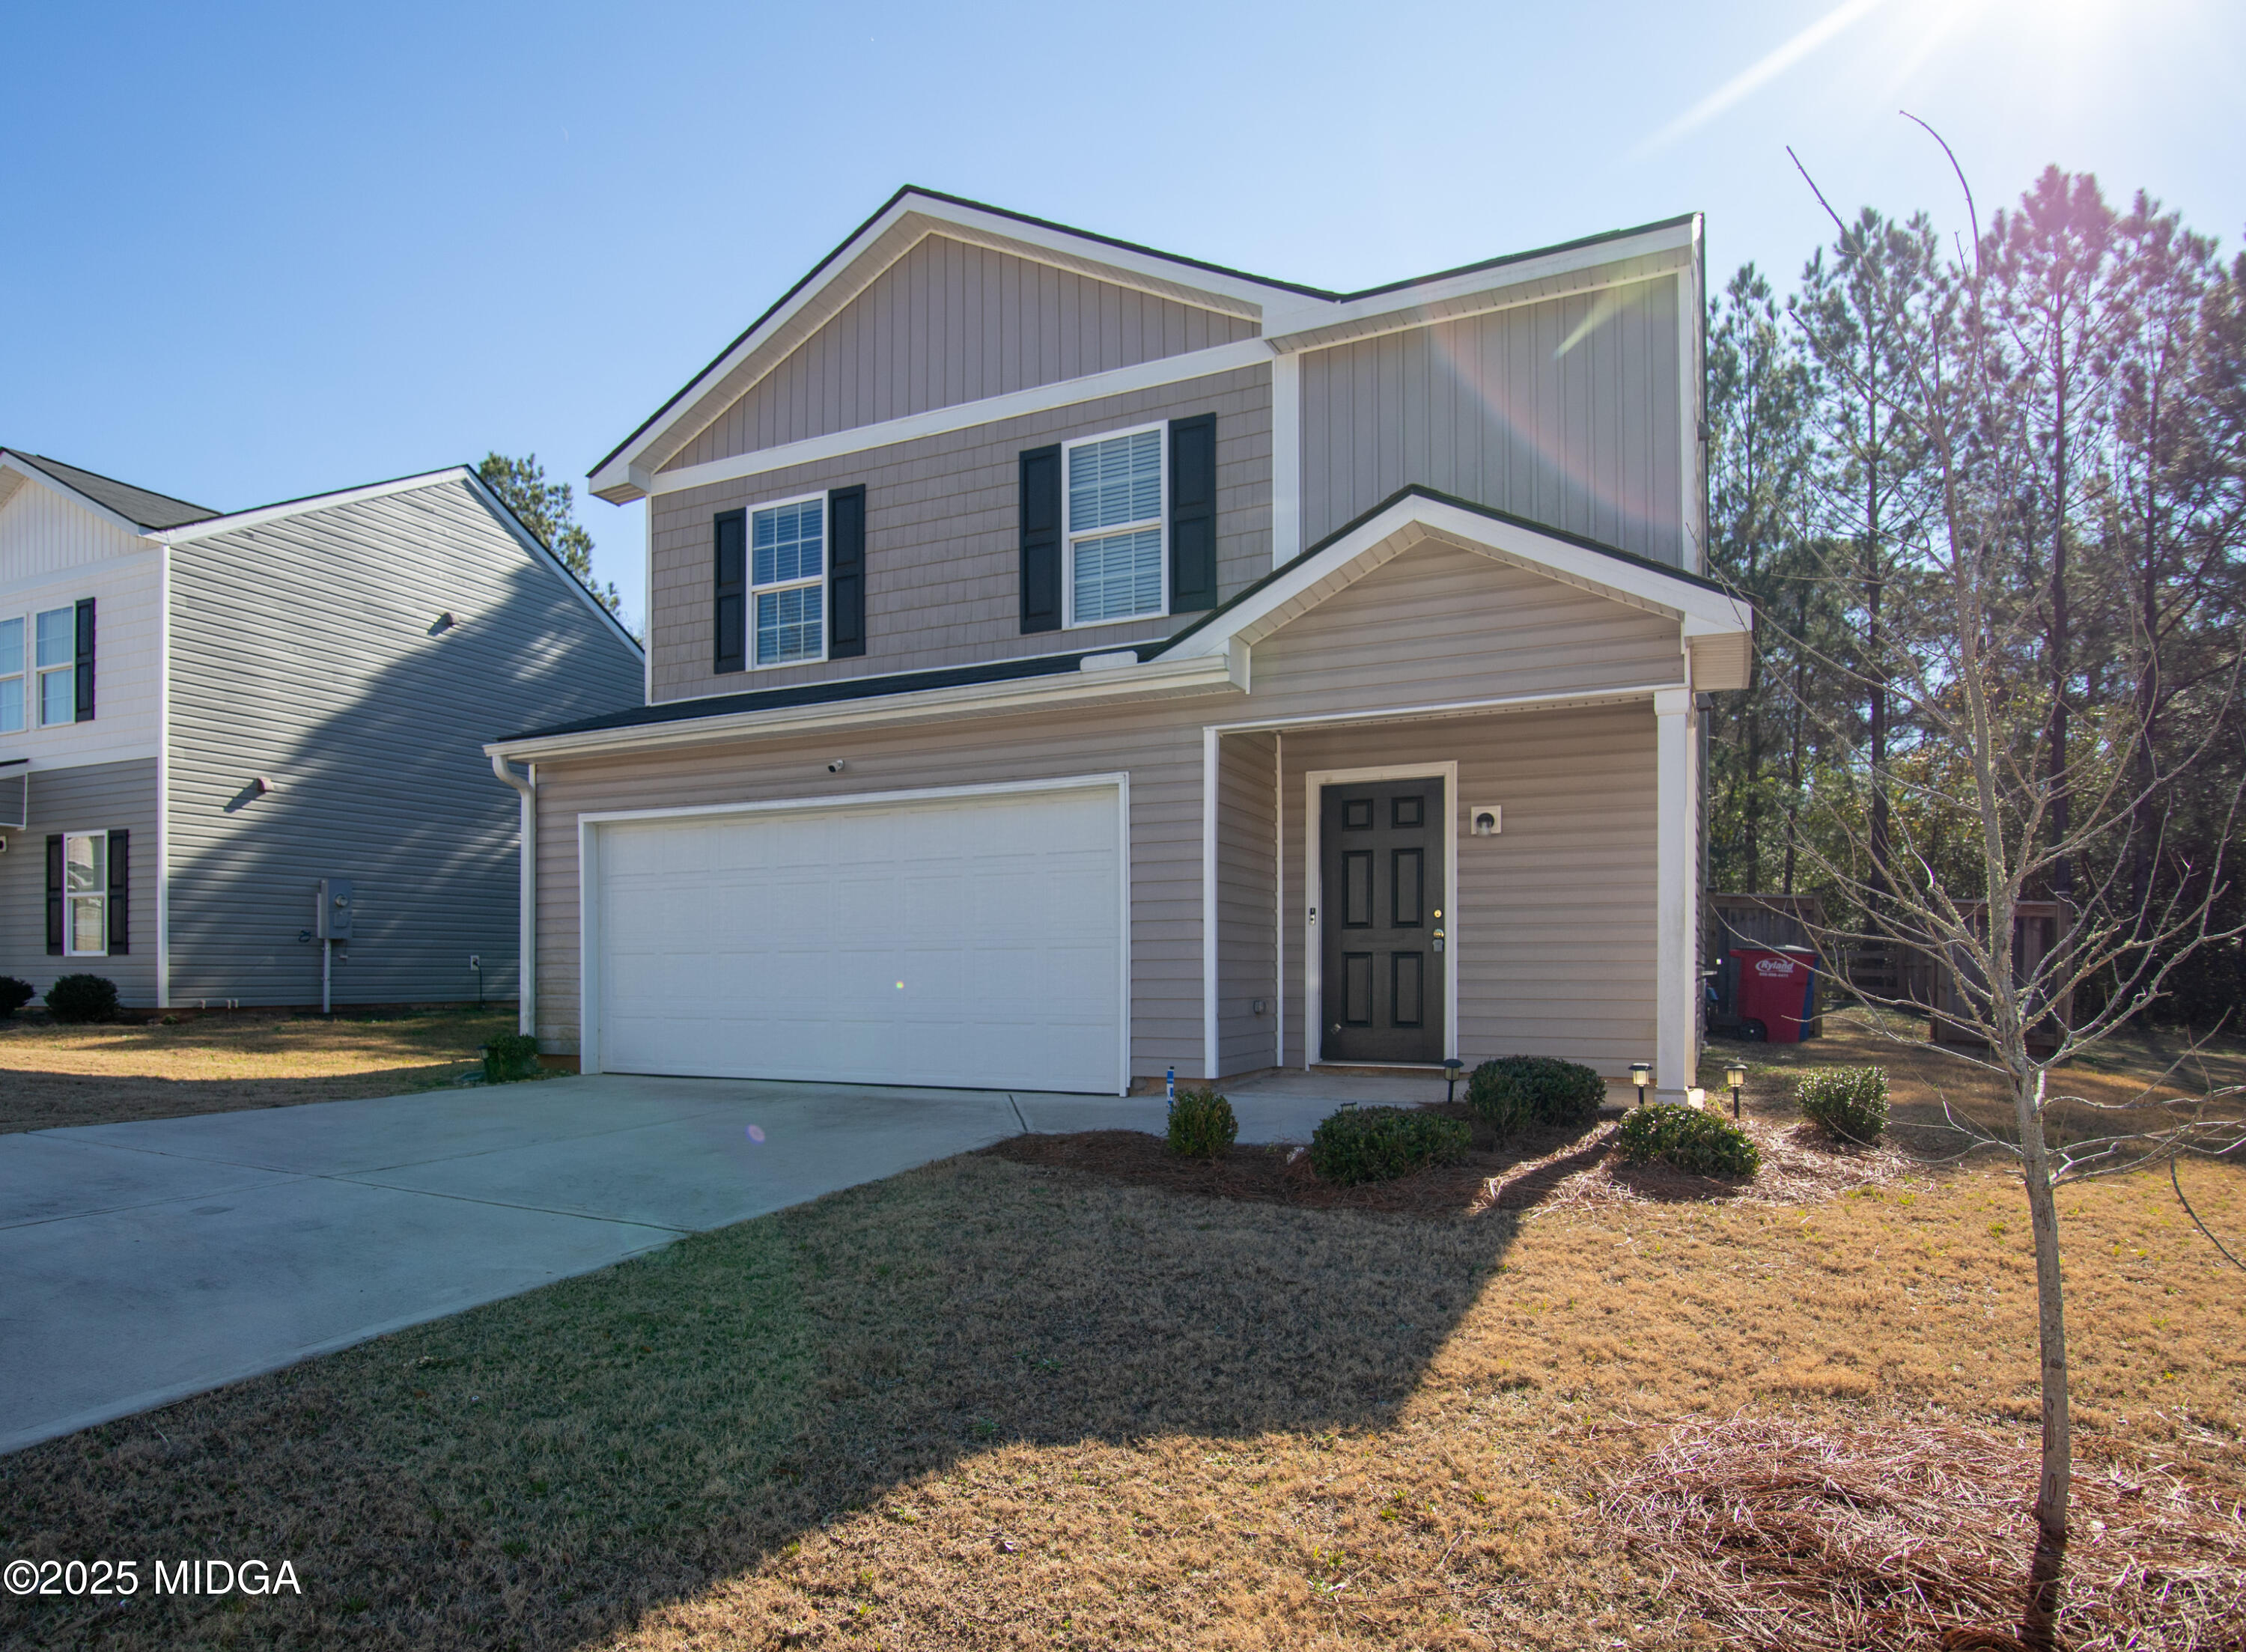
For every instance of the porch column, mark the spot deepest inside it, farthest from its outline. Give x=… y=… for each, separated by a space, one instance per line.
x=1676 y=977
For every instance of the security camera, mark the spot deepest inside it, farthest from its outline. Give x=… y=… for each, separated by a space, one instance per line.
x=836 y=767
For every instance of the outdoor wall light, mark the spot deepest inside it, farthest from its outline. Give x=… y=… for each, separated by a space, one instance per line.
x=1735 y=1076
x=1640 y=1074
x=443 y=623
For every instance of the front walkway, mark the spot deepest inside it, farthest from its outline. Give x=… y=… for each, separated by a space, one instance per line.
x=145 y=1262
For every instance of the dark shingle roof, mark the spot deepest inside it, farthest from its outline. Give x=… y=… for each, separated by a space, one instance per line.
x=134 y=504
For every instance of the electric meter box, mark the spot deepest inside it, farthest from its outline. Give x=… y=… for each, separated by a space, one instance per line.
x=334 y=921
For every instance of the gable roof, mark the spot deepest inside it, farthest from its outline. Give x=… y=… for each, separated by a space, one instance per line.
x=138 y=505
x=1289 y=314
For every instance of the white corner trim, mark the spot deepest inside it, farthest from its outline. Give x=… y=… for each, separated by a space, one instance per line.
x=1208 y=949
x=938 y=421
x=1286 y=459
x=164 y=777
x=1313 y=892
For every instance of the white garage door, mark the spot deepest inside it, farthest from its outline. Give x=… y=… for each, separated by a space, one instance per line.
x=972 y=941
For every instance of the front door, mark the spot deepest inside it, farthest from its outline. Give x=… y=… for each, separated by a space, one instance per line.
x=1380 y=922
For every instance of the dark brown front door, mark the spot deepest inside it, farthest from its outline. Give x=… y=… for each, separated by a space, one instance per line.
x=1380 y=855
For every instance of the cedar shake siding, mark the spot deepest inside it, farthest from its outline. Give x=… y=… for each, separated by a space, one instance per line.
x=942 y=552
x=949 y=323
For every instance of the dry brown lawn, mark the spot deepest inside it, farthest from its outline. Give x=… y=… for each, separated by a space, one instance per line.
x=54 y=1075
x=993 y=1405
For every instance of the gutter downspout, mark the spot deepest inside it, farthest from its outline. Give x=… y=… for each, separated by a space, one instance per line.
x=526 y=968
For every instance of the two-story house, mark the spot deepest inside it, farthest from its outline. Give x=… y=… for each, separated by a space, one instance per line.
x=1070 y=662
x=203 y=715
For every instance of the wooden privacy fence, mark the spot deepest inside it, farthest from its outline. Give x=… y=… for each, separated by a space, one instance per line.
x=2037 y=926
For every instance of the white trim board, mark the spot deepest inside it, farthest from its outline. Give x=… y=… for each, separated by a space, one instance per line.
x=1314 y=893
x=938 y=421
x=589 y=824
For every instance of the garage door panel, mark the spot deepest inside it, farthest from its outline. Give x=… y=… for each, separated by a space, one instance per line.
x=773 y=944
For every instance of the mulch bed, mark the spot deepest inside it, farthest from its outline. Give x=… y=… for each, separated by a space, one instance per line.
x=1549 y=1169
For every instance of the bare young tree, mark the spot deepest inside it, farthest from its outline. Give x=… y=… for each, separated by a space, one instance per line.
x=1984 y=819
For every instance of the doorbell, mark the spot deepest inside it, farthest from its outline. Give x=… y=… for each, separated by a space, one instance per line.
x=1488 y=819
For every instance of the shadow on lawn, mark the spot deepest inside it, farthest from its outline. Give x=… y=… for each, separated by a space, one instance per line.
x=545 y=1470
x=32 y=1100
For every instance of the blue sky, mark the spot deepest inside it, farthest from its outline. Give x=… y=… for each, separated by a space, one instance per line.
x=255 y=252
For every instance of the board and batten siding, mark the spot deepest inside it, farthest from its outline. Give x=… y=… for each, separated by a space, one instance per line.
x=52 y=554
x=1159 y=746
x=942 y=548
x=1567 y=411
x=1552 y=919
x=45 y=531
x=93 y=797
x=949 y=323
x=302 y=653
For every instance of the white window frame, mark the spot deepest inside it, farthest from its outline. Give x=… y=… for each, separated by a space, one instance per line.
x=36 y=711
x=23 y=676
x=755 y=590
x=1069 y=536
x=71 y=948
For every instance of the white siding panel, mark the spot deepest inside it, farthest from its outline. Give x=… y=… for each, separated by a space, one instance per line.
x=44 y=532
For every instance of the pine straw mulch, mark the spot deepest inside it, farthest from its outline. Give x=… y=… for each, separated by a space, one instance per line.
x=1541 y=1171
x=1780 y=1532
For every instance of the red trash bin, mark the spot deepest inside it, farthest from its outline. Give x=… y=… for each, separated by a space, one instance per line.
x=1777 y=990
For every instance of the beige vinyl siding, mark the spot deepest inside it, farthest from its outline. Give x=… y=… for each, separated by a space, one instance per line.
x=1246 y=843
x=949 y=323
x=1159 y=746
x=301 y=651
x=1566 y=411
x=942 y=539
x=1439 y=624
x=1552 y=920
x=93 y=797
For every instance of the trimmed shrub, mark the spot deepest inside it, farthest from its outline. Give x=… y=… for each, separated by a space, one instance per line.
x=1378 y=1144
x=509 y=1057
x=1202 y=1125
x=1515 y=1092
x=1704 y=1143
x=83 y=998
x=1849 y=1102
x=14 y=995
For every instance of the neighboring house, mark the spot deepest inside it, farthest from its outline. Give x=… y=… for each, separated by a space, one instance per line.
x=1070 y=662
x=203 y=715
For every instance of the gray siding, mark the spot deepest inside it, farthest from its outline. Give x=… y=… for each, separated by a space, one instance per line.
x=1437 y=623
x=1247 y=898
x=1552 y=919
x=95 y=796
x=1502 y=409
x=301 y=651
x=949 y=324
x=943 y=551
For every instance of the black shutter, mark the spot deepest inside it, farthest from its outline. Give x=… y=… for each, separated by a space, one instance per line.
x=120 y=892
x=1041 y=539
x=84 y=675
x=846 y=572
x=731 y=611
x=1193 y=513
x=55 y=894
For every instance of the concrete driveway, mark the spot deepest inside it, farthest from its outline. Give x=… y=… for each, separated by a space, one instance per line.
x=141 y=1263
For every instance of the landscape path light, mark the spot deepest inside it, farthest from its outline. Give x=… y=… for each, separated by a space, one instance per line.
x=1640 y=1074
x=1735 y=1075
x=1451 y=1079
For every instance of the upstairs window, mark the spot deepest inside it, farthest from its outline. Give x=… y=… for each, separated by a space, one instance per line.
x=787 y=581
x=15 y=700
x=1116 y=567
x=57 y=651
